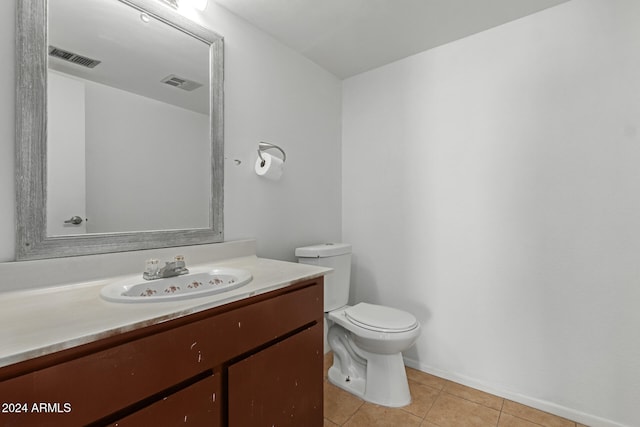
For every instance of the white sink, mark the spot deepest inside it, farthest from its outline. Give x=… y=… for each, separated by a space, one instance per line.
x=199 y=282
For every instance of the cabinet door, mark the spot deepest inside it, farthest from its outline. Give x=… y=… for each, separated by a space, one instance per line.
x=197 y=405
x=280 y=385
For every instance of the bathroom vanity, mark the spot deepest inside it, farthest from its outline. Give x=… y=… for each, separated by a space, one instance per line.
x=250 y=357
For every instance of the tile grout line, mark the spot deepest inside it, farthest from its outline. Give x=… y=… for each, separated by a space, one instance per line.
x=530 y=421
x=433 y=404
x=354 y=413
x=500 y=413
x=478 y=403
x=574 y=423
x=430 y=407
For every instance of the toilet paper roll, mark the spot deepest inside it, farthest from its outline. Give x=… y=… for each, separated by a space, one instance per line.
x=272 y=168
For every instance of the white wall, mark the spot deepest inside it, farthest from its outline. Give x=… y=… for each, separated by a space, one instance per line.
x=492 y=187
x=277 y=96
x=271 y=94
x=148 y=163
x=66 y=171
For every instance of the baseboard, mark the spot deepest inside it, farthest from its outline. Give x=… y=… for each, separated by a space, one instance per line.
x=550 y=407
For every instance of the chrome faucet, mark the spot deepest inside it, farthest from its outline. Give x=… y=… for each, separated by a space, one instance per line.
x=177 y=267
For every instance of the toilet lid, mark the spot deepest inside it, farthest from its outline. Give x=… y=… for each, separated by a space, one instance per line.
x=381 y=318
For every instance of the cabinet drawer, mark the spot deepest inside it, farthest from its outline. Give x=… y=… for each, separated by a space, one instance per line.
x=104 y=382
x=197 y=405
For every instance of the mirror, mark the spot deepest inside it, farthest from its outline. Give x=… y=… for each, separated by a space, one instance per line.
x=119 y=128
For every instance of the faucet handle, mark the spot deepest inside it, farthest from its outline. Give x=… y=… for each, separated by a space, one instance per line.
x=179 y=262
x=179 y=265
x=151 y=267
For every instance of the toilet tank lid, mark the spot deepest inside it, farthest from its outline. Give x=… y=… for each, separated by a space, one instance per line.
x=323 y=250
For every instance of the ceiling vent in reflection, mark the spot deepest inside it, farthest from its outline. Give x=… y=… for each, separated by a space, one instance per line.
x=172 y=3
x=179 y=82
x=72 y=57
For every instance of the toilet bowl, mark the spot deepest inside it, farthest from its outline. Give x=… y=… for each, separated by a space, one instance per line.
x=367 y=339
x=367 y=358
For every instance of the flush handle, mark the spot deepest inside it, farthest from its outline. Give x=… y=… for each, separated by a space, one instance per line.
x=75 y=220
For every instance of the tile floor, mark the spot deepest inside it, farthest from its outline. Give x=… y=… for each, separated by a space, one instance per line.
x=436 y=402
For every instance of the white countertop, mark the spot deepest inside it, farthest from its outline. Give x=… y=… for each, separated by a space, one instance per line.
x=42 y=321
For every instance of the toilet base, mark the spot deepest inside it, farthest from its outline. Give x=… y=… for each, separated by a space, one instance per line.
x=384 y=381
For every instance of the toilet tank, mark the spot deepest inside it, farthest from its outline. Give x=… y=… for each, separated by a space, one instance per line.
x=336 y=283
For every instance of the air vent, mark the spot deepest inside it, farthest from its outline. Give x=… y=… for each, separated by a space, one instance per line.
x=181 y=83
x=172 y=3
x=72 y=57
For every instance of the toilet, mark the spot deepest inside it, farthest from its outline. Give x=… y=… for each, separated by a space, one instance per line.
x=367 y=339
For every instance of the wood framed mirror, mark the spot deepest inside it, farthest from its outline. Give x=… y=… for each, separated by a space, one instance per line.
x=137 y=138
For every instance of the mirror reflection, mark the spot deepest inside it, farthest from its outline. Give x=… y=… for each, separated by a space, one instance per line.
x=128 y=129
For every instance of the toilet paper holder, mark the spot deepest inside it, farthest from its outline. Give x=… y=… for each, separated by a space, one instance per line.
x=262 y=146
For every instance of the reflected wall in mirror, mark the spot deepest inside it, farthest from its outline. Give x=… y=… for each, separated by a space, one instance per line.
x=119 y=127
x=128 y=121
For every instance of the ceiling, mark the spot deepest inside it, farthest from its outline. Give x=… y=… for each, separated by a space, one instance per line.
x=348 y=37
x=135 y=54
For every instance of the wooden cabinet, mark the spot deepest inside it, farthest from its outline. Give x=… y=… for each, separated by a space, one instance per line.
x=271 y=388
x=210 y=368
x=196 y=405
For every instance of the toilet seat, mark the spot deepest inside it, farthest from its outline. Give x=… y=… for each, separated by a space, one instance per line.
x=380 y=318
